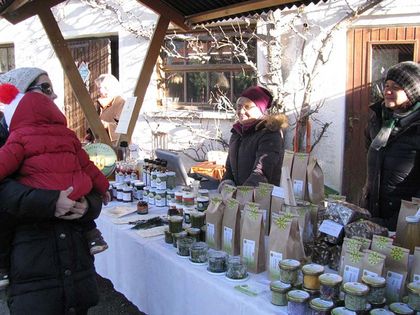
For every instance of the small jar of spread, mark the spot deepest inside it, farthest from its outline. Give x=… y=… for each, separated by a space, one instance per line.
x=289 y=269
x=178 y=197
x=146 y=194
x=170 y=196
x=376 y=286
x=330 y=286
x=236 y=268
x=341 y=310
x=168 y=236
x=170 y=180
x=279 y=292
x=184 y=245
x=151 y=197
x=194 y=233
x=172 y=210
x=188 y=198
x=198 y=219
x=355 y=298
x=311 y=273
x=161 y=181
x=413 y=289
x=319 y=306
x=160 y=198
x=401 y=309
x=297 y=302
x=142 y=207
x=177 y=236
x=175 y=223
x=198 y=252
x=202 y=203
x=217 y=261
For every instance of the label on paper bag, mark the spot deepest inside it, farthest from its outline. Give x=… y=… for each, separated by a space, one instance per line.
x=416 y=277
x=227 y=239
x=298 y=186
x=369 y=273
x=331 y=228
x=249 y=252
x=275 y=258
x=210 y=233
x=310 y=188
x=350 y=274
x=393 y=286
x=278 y=192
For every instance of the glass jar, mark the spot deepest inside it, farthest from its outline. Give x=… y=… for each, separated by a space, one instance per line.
x=120 y=192
x=138 y=190
x=342 y=311
x=160 y=198
x=194 y=233
x=413 y=289
x=202 y=203
x=175 y=223
x=177 y=236
x=170 y=196
x=168 y=236
x=217 y=261
x=170 y=180
x=320 y=307
x=187 y=214
x=311 y=273
x=188 y=198
x=376 y=286
x=198 y=252
x=330 y=286
x=178 y=197
x=355 y=298
x=142 y=207
x=236 y=268
x=153 y=177
x=289 y=269
x=411 y=237
x=297 y=302
x=401 y=309
x=184 y=245
x=161 y=181
x=380 y=311
x=279 y=292
x=312 y=293
x=172 y=210
x=198 y=219
x=146 y=194
x=151 y=197
x=203 y=192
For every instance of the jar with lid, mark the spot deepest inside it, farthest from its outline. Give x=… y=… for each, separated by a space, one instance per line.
x=161 y=181
x=160 y=198
x=168 y=235
x=170 y=180
x=146 y=194
x=170 y=196
x=120 y=193
x=184 y=245
x=194 y=233
x=411 y=237
x=278 y=292
x=172 y=210
x=178 y=197
x=236 y=268
x=199 y=252
x=127 y=194
x=312 y=293
x=187 y=214
x=151 y=198
x=138 y=190
x=114 y=190
x=188 y=198
x=413 y=289
x=217 y=261
x=319 y=306
x=376 y=286
x=198 y=219
x=341 y=310
x=380 y=311
x=202 y=203
x=311 y=273
x=176 y=236
x=175 y=223
x=401 y=309
x=330 y=286
x=289 y=269
x=297 y=302
x=203 y=192
x=355 y=298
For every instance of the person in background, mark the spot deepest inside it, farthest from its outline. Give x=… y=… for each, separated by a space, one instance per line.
x=51 y=268
x=256 y=147
x=111 y=104
x=393 y=142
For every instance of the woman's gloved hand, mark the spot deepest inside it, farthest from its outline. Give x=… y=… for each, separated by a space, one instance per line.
x=225 y=182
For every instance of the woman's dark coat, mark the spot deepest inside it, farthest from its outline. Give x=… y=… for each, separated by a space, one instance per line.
x=256 y=154
x=394 y=170
x=52 y=271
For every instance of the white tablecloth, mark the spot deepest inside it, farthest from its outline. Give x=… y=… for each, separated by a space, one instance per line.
x=152 y=276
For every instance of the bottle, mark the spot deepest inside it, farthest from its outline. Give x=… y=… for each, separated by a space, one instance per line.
x=123 y=150
x=411 y=237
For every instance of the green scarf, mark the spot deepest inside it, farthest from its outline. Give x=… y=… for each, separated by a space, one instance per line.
x=389 y=120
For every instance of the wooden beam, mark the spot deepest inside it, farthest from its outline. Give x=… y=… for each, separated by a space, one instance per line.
x=18 y=13
x=247 y=6
x=69 y=66
x=146 y=72
x=163 y=9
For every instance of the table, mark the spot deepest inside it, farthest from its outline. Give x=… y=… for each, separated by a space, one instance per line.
x=151 y=275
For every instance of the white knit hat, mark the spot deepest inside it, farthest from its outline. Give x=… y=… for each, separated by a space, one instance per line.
x=22 y=78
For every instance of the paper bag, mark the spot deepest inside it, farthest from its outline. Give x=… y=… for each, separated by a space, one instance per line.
x=214 y=218
x=315 y=177
x=407 y=208
x=231 y=228
x=262 y=196
x=300 y=164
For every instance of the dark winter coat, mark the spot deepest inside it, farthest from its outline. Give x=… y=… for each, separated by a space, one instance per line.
x=394 y=170
x=256 y=154
x=52 y=271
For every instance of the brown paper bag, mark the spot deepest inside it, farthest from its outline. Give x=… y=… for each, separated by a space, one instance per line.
x=287 y=185
x=252 y=238
x=415 y=272
x=287 y=163
x=214 y=218
x=262 y=196
x=396 y=272
x=352 y=267
x=300 y=163
x=244 y=194
x=407 y=208
x=379 y=243
x=315 y=177
x=303 y=211
x=373 y=263
x=284 y=242
x=350 y=245
x=231 y=228
x=228 y=191
x=365 y=242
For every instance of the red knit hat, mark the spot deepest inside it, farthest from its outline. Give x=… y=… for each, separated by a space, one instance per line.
x=260 y=96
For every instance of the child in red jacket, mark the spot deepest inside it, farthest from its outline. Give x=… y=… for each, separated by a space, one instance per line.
x=42 y=152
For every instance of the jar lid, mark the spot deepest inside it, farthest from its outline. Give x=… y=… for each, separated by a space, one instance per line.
x=297 y=296
x=279 y=286
x=380 y=311
x=412 y=218
x=175 y=218
x=355 y=288
x=330 y=279
x=186 y=240
x=202 y=199
x=197 y=214
x=203 y=191
x=194 y=231
x=319 y=304
x=152 y=189
x=289 y=264
x=414 y=287
x=342 y=311
x=199 y=246
x=400 y=308
x=374 y=281
x=312 y=269
x=170 y=191
x=217 y=254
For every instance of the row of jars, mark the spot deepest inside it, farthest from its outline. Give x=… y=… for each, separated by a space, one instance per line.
x=126 y=171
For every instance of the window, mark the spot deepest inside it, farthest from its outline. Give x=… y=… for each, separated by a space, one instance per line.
x=7 y=58
x=198 y=68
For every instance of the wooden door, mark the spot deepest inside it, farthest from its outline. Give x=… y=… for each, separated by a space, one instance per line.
x=370 y=51
x=97 y=55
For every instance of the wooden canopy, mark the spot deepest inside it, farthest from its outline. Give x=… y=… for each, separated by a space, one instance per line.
x=182 y=13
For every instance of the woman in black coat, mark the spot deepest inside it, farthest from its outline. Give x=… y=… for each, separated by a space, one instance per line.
x=393 y=139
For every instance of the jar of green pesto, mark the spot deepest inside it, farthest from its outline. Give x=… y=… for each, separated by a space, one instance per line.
x=198 y=219
x=376 y=286
x=184 y=245
x=279 y=292
x=198 y=252
x=319 y=306
x=413 y=289
x=289 y=269
x=175 y=223
x=168 y=236
x=355 y=298
x=401 y=309
x=177 y=236
x=194 y=233
x=236 y=268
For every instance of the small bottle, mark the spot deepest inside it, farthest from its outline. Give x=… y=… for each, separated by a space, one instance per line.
x=123 y=156
x=411 y=237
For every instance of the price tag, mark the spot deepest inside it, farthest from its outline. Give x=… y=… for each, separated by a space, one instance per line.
x=249 y=251
x=278 y=192
x=275 y=258
x=227 y=235
x=350 y=274
x=331 y=228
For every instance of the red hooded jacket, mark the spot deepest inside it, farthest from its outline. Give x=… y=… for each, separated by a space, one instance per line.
x=43 y=153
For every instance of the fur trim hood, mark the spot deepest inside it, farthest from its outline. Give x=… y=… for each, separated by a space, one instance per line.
x=275 y=122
